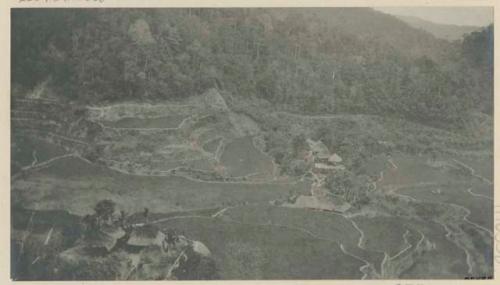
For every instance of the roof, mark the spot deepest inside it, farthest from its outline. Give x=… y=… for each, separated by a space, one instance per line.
x=335 y=158
x=201 y=249
x=323 y=166
x=145 y=236
x=98 y=238
x=114 y=231
x=318 y=148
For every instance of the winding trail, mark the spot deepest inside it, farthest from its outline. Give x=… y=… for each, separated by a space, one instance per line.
x=35 y=158
x=220 y=212
x=47 y=162
x=466 y=216
x=478 y=195
x=473 y=171
x=361 y=240
x=409 y=245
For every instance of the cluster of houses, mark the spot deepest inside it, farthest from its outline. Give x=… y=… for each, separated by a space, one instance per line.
x=133 y=239
x=323 y=163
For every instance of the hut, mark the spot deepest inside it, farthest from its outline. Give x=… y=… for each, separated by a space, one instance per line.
x=98 y=242
x=201 y=249
x=114 y=231
x=319 y=151
x=334 y=159
x=323 y=168
x=145 y=236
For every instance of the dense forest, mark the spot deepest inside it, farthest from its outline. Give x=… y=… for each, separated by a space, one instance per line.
x=339 y=60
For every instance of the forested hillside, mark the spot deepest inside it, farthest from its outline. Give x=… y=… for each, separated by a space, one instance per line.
x=443 y=31
x=308 y=60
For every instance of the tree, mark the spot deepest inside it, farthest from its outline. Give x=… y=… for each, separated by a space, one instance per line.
x=104 y=210
x=146 y=214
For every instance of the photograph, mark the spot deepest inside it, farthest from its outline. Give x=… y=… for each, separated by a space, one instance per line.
x=251 y=143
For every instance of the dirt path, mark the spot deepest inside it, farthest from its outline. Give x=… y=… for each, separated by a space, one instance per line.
x=35 y=158
x=46 y=163
x=408 y=245
x=220 y=212
x=361 y=241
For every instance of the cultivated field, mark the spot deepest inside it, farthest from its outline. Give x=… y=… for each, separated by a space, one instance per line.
x=246 y=251
x=78 y=185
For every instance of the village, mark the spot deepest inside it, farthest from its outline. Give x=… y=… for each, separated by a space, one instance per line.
x=322 y=163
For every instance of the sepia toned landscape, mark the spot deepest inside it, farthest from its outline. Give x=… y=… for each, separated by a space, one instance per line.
x=248 y=144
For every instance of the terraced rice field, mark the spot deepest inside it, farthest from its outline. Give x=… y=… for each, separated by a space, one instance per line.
x=481 y=209
x=249 y=237
x=383 y=233
x=323 y=225
x=242 y=158
x=413 y=170
x=79 y=185
x=446 y=260
x=146 y=123
x=245 y=251
x=482 y=165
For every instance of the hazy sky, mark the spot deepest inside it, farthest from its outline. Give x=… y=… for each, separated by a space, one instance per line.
x=474 y=16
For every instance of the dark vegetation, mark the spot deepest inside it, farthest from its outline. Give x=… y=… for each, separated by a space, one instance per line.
x=287 y=57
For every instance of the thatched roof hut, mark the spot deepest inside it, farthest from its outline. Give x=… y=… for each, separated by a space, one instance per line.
x=114 y=231
x=201 y=249
x=146 y=236
x=335 y=158
x=98 y=240
x=318 y=149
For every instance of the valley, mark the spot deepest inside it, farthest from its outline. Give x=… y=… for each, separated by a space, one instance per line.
x=239 y=189
x=249 y=144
